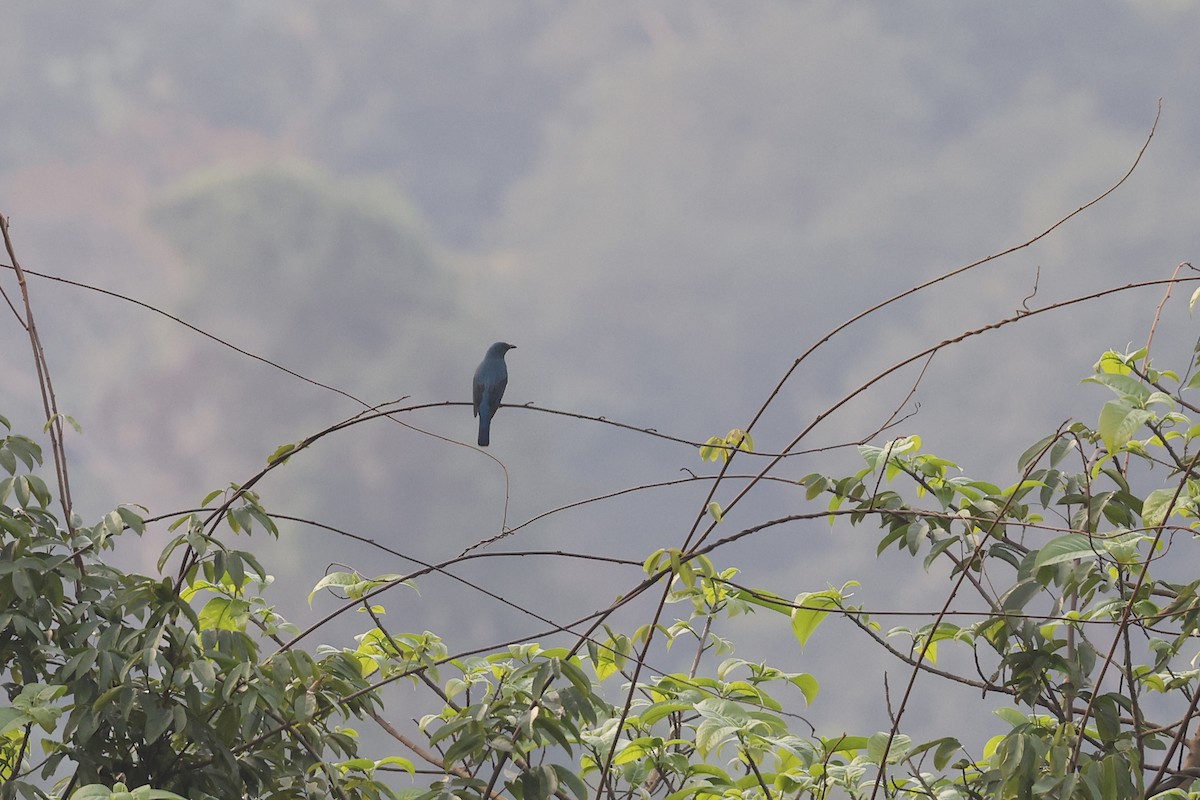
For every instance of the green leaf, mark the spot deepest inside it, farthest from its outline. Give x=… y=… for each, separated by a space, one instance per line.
x=37 y=701
x=1119 y=421
x=132 y=519
x=223 y=613
x=1112 y=362
x=572 y=781
x=844 y=744
x=946 y=749
x=334 y=580
x=157 y=721
x=814 y=485
x=722 y=722
x=538 y=783
x=1034 y=451
x=657 y=711
x=806 y=619
x=1157 y=505
x=1020 y=594
x=1014 y=716
x=1063 y=446
x=281 y=453
x=896 y=746
x=765 y=599
x=808 y=685
x=399 y=761
x=1124 y=386
x=1068 y=548
x=712 y=449
x=609 y=658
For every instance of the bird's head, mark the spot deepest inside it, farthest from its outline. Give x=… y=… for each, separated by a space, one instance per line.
x=499 y=349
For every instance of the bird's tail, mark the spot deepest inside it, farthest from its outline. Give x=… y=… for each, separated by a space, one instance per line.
x=485 y=430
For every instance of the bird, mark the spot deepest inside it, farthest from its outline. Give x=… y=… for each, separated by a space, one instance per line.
x=491 y=377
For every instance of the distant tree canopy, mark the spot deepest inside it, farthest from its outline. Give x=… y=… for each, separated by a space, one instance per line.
x=292 y=238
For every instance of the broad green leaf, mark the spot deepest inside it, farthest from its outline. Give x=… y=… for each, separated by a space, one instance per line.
x=805 y=619
x=896 y=746
x=657 y=711
x=340 y=580
x=638 y=749
x=1034 y=451
x=992 y=745
x=946 y=749
x=11 y=719
x=1112 y=362
x=565 y=776
x=711 y=450
x=1119 y=421
x=808 y=685
x=1158 y=504
x=1067 y=548
x=814 y=485
x=157 y=721
x=281 y=453
x=1011 y=715
x=724 y=721
x=222 y=613
x=843 y=744
x=399 y=761
x=609 y=659
x=1060 y=448
x=1020 y=489
x=765 y=599
x=1020 y=594
x=132 y=519
x=1123 y=385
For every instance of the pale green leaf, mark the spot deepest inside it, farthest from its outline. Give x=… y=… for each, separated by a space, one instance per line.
x=1119 y=421
x=1067 y=548
x=808 y=615
x=1158 y=504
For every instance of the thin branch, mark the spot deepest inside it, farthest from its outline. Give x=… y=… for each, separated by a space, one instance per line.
x=960 y=270
x=941 y=615
x=54 y=420
x=421 y=752
x=1127 y=608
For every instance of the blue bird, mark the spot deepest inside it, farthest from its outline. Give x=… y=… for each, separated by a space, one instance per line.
x=488 y=387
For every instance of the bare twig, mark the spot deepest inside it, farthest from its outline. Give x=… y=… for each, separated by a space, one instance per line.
x=54 y=420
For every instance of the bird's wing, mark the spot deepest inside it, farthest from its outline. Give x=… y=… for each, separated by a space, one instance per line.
x=495 y=391
x=476 y=393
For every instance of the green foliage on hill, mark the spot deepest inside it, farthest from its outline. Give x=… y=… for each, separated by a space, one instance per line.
x=289 y=237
